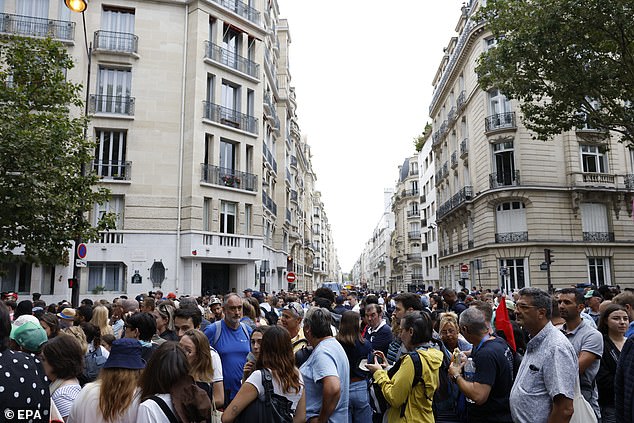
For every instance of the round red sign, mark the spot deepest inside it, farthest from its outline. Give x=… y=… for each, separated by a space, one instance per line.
x=290 y=277
x=464 y=267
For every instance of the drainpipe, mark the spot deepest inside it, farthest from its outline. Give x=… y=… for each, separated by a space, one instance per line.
x=180 y=156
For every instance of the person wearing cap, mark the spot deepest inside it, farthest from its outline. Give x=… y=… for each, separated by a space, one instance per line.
x=215 y=305
x=66 y=317
x=28 y=334
x=291 y=319
x=114 y=396
x=593 y=301
x=248 y=292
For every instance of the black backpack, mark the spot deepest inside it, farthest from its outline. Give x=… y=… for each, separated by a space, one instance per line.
x=94 y=361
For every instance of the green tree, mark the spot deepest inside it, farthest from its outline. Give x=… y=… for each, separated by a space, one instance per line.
x=569 y=62
x=42 y=148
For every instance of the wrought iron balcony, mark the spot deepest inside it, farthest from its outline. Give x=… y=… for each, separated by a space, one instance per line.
x=500 y=121
x=294 y=196
x=230 y=117
x=410 y=192
x=445 y=169
x=112 y=169
x=465 y=194
x=461 y=102
x=504 y=179
x=231 y=59
x=115 y=104
x=120 y=42
x=37 y=27
x=629 y=182
x=438 y=177
x=241 y=9
x=510 y=237
x=454 y=160
x=413 y=213
x=464 y=148
x=228 y=177
x=414 y=234
x=268 y=203
x=598 y=236
x=451 y=116
x=294 y=161
x=268 y=156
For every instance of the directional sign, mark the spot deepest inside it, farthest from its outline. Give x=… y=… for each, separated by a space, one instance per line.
x=290 y=277
x=82 y=250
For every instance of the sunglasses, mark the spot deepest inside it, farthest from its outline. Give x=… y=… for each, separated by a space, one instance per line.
x=293 y=306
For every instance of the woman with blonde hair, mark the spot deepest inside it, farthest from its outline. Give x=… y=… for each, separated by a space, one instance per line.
x=101 y=319
x=206 y=367
x=114 y=396
x=449 y=332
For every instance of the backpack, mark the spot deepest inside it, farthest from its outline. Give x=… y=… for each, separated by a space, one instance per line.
x=377 y=400
x=94 y=361
x=273 y=409
x=218 y=327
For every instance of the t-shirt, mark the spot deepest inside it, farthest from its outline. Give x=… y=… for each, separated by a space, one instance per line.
x=233 y=347
x=493 y=361
x=23 y=384
x=150 y=411
x=86 y=407
x=256 y=380
x=64 y=396
x=216 y=363
x=328 y=359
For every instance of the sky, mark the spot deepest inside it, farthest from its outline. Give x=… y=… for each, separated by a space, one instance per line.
x=363 y=73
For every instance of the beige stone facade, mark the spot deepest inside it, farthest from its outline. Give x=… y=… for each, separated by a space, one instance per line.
x=503 y=198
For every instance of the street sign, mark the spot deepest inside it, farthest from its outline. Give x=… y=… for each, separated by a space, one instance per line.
x=543 y=266
x=81 y=263
x=464 y=268
x=290 y=277
x=82 y=250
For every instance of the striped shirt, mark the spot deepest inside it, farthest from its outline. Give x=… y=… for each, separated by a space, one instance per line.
x=64 y=396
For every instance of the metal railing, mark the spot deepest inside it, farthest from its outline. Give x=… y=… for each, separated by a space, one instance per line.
x=510 y=237
x=438 y=176
x=598 y=236
x=413 y=213
x=231 y=59
x=268 y=203
x=599 y=178
x=462 y=100
x=445 y=169
x=37 y=27
x=500 y=121
x=230 y=117
x=464 y=148
x=112 y=169
x=465 y=194
x=503 y=179
x=268 y=156
x=241 y=9
x=410 y=192
x=629 y=181
x=451 y=116
x=228 y=177
x=454 y=160
x=116 y=41
x=116 y=104
x=414 y=234
x=110 y=237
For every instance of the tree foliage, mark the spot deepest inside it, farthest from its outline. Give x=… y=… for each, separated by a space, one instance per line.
x=42 y=148
x=558 y=57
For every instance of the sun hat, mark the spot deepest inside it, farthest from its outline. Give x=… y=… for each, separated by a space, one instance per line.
x=68 y=313
x=28 y=334
x=125 y=353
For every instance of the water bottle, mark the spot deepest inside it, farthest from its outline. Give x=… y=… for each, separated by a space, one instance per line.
x=469 y=374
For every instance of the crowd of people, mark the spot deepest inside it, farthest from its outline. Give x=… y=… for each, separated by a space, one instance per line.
x=444 y=355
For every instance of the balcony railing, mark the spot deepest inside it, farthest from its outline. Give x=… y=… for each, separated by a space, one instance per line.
x=629 y=182
x=462 y=99
x=451 y=116
x=112 y=169
x=268 y=203
x=500 y=121
x=231 y=59
x=268 y=156
x=230 y=117
x=465 y=194
x=115 y=104
x=438 y=176
x=504 y=179
x=599 y=178
x=228 y=177
x=37 y=27
x=241 y=9
x=464 y=148
x=120 y=42
x=294 y=196
x=413 y=213
x=445 y=169
x=414 y=234
x=454 y=160
x=598 y=236
x=110 y=237
x=510 y=237
x=410 y=192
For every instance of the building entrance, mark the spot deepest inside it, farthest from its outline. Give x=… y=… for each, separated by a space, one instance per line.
x=215 y=279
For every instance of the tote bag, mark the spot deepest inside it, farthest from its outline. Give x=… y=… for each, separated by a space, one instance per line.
x=583 y=410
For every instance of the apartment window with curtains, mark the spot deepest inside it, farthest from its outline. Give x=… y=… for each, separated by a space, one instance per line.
x=33 y=9
x=599 y=271
x=115 y=206
x=594 y=222
x=228 y=217
x=110 y=154
x=113 y=91
x=118 y=29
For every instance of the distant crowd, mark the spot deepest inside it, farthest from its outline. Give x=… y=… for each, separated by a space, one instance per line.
x=443 y=355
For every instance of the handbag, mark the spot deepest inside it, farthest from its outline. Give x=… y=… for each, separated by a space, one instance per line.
x=583 y=412
x=273 y=409
x=216 y=415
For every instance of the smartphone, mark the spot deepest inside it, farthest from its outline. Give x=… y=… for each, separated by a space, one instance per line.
x=372 y=356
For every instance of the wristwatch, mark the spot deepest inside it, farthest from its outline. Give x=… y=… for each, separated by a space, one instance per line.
x=455 y=377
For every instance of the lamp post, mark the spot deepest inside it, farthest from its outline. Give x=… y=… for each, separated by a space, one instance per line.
x=79 y=6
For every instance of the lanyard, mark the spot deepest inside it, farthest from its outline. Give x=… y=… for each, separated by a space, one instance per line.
x=486 y=338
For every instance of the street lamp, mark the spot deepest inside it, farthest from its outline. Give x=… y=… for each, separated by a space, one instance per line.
x=79 y=6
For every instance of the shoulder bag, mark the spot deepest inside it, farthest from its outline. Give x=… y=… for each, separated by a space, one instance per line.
x=583 y=412
x=273 y=409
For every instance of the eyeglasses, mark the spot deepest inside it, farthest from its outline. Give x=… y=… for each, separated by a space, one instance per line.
x=522 y=306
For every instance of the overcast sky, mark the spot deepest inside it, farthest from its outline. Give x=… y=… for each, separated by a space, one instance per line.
x=363 y=73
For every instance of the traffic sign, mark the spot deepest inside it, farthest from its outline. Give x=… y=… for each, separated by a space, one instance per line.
x=81 y=263
x=464 y=268
x=82 y=250
x=290 y=277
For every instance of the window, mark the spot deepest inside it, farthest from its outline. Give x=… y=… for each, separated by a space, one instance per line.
x=118 y=30
x=510 y=217
x=110 y=154
x=211 y=79
x=504 y=159
x=594 y=222
x=593 y=159
x=498 y=103
x=32 y=9
x=113 y=91
x=599 y=271
x=15 y=277
x=207 y=214
x=512 y=274
x=231 y=41
x=115 y=205
x=248 y=219
x=108 y=275
x=227 y=156
x=227 y=217
x=587 y=119
x=489 y=43
x=48 y=280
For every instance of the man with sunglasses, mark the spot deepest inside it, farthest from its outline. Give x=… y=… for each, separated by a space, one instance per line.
x=544 y=388
x=291 y=319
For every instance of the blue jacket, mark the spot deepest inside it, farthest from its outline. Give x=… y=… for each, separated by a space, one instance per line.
x=624 y=384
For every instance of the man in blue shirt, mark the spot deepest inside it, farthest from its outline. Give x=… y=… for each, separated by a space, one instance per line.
x=232 y=344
